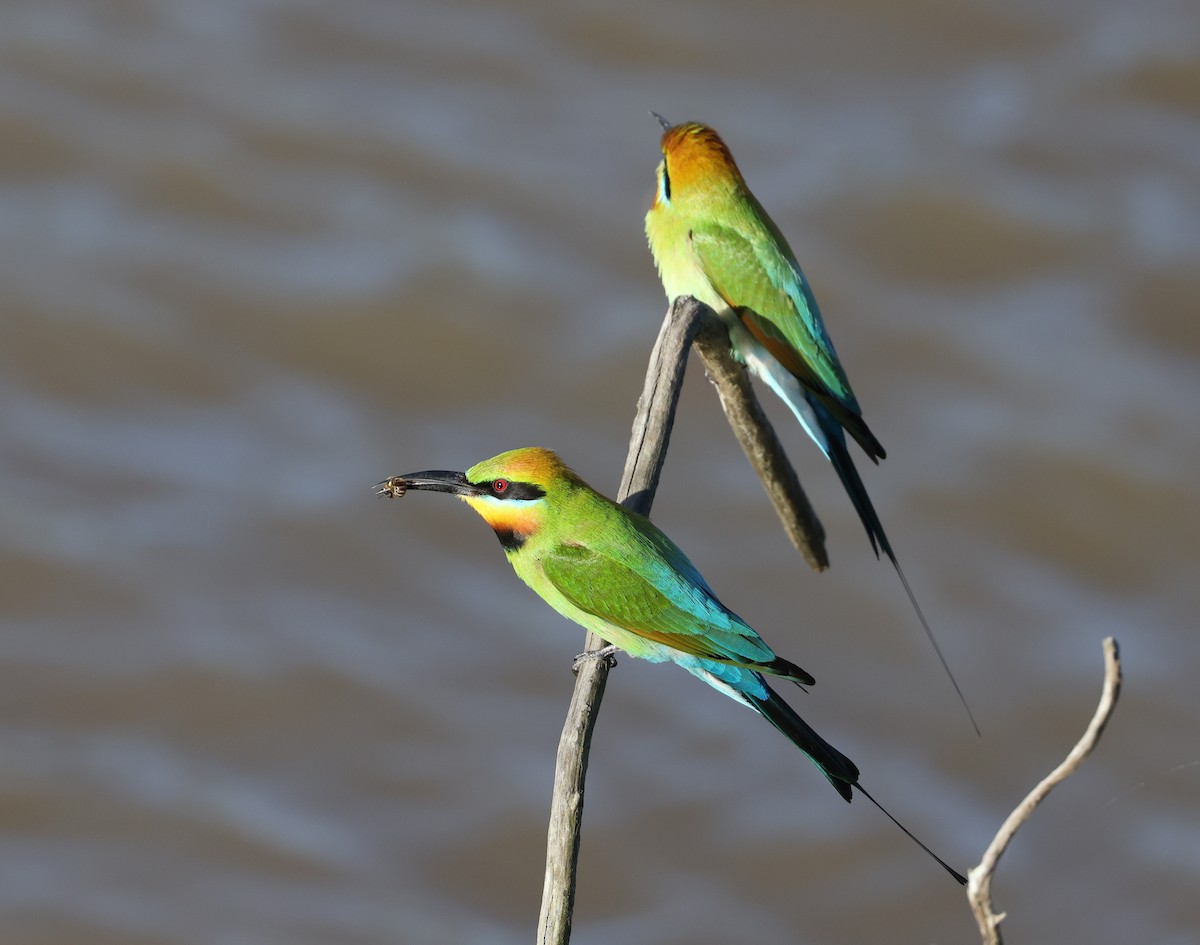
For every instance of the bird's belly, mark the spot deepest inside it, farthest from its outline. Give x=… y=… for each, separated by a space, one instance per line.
x=631 y=642
x=681 y=275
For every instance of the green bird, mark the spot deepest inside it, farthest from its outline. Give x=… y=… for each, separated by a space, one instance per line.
x=616 y=574
x=711 y=239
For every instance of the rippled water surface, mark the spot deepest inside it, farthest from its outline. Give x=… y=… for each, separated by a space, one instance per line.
x=256 y=256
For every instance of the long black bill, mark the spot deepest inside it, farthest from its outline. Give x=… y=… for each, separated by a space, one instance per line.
x=662 y=121
x=431 y=480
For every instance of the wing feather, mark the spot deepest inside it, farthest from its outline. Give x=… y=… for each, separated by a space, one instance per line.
x=770 y=295
x=661 y=602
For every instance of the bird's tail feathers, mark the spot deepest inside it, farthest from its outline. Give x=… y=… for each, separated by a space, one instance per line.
x=839 y=456
x=839 y=770
x=962 y=880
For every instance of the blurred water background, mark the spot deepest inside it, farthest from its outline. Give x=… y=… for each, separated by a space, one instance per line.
x=257 y=256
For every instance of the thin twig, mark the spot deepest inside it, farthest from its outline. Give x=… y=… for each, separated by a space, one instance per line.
x=979 y=879
x=647 y=450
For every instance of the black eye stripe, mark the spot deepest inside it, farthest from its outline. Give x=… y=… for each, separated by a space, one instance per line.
x=666 y=182
x=523 y=490
x=513 y=490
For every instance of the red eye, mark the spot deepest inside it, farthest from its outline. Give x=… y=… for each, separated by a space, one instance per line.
x=499 y=486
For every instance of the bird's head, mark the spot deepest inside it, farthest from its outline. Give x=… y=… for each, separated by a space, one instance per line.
x=695 y=162
x=510 y=491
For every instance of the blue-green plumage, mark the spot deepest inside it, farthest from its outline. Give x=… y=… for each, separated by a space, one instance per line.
x=711 y=239
x=615 y=573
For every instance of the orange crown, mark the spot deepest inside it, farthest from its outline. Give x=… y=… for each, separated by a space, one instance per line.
x=695 y=153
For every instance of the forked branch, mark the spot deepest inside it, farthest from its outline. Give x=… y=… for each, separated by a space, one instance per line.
x=687 y=321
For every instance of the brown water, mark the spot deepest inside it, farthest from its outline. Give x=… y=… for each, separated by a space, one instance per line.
x=255 y=257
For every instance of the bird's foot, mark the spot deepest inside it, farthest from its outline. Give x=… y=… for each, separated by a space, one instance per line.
x=606 y=653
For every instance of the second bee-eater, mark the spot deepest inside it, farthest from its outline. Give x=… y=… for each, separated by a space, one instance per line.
x=711 y=239
x=614 y=573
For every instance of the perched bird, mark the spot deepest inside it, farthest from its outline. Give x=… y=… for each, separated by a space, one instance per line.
x=613 y=572
x=711 y=239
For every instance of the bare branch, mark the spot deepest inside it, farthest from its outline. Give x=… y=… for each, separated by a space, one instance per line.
x=687 y=321
x=656 y=407
x=979 y=879
x=647 y=451
x=761 y=444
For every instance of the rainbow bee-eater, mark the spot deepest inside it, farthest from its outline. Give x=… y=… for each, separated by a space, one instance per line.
x=616 y=574
x=711 y=239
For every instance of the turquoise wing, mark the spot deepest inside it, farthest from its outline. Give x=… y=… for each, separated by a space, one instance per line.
x=771 y=297
x=749 y=271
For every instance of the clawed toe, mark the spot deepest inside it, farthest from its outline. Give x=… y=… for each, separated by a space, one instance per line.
x=606 y=653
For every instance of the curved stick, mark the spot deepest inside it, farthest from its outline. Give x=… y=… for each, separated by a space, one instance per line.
x=979 y=879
